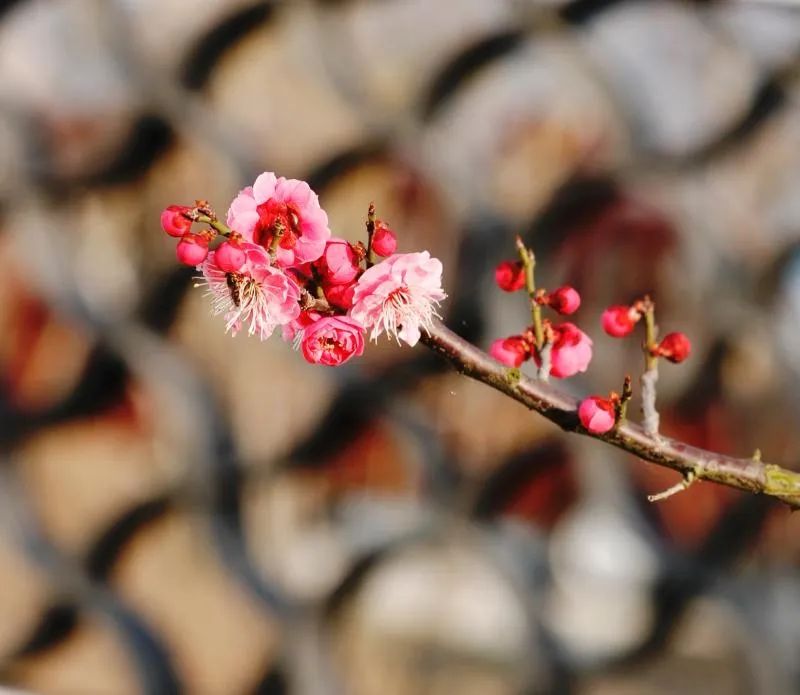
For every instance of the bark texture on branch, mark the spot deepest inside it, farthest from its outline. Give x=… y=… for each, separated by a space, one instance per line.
x=749 y=474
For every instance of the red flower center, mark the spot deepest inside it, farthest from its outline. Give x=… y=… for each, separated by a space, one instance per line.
x=268 y=214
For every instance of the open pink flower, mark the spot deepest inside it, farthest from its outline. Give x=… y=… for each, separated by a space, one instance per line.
x=259 y=295
x=332 y=340
x=399 y=295
x=571 y=351
x=289 y=202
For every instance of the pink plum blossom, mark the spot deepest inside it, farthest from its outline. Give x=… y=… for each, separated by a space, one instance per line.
x=259 y=296
x=399 y=295
x=597 y=414
x=289 y=202
x=571 y=351
x=332 y=340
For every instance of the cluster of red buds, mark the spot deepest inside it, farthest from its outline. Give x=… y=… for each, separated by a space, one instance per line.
x=600 y=415
x=562 y=349
x=274 y=263
x=619 y=321
x=558 y=349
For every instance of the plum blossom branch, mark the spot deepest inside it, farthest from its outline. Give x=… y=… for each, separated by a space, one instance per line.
x=279 y=266
x=748 y=474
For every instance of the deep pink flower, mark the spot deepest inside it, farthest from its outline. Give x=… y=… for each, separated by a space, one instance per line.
x=510 y=276
x=597 y=414
x=565 y=300
x=338 y=264
x=618 y=321
x=571 y=351
x=332 y=340
x=230 y=256
x=399 y=295
x=192 y=249
x=340 y=296
x=293 y=330
x=292 y=203
x=675 y=347
x=259 y=296
x=384 y=241
x=511 y=351
x=174 y=222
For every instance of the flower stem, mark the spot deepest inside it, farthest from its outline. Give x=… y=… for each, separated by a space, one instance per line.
x=214 y=223
x=528 y=260
x=648 y=380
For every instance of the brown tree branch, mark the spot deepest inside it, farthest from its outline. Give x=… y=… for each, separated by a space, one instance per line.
x=750 y=474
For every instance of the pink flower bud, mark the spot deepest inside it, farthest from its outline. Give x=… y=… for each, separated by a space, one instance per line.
x=512 y=351
x=174 y=222
x=675 y=347
x=339 y=263
x=618 y=321
x=384 y=241
x=571 y=351
x=332 y=340
x=597 y=414
x=192 y=249
x=229 y=256
x=510 y=276
x=340 y=296
x=564 y=300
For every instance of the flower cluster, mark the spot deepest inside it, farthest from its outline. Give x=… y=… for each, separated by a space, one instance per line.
x=279 y=265
x=599 y=415
x=567 y=349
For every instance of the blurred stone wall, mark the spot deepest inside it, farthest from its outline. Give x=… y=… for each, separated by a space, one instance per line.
x=184 y=512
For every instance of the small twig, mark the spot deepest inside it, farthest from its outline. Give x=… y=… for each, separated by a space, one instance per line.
x=649 y=379
x=675 y=489
x=542 y=341
x=370 y=234
x=621 y=404
x=214 y=223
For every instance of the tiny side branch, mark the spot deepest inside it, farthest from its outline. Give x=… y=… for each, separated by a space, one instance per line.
x=752 y=475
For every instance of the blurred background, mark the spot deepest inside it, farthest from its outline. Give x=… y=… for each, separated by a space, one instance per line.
x=182 y=512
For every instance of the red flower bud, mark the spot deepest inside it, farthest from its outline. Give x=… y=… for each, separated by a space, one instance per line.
x=597 y=414
x=192 y=249
x=564 y=300
x=174 y=222
x=510 y=276
x=229 y=256
x=384 y=241
x=618 y=321
x=512 y=351
x=675 y=347
x=340 y=296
